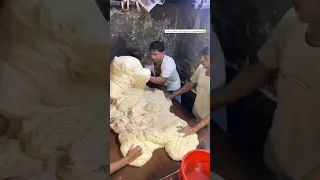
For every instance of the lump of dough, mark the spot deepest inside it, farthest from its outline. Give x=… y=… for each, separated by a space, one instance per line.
x=114 y=112
x=128 y=140
x=178 y=147
x=119 y=124
x=147 y=150
x=153 y=107
x=127 y=103
x=127 y=73
x=156 y=101
x=145 y=118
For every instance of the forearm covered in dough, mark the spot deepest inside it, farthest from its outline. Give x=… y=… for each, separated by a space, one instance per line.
x=115 y=166
x=203 y=123
x=158 y=80
x=187 y=87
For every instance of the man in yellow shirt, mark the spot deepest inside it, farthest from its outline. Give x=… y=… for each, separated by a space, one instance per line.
x=201 y=107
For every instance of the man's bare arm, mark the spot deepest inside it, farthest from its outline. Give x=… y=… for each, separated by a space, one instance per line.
x=187 y=87
x=251 y=78
x=187 y=130
x=115 y=166
x=158 y=80
x=205 y=122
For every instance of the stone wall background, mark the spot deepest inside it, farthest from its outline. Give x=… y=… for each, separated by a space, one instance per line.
x=131 y=33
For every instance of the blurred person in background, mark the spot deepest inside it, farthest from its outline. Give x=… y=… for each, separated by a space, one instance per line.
x=201 y=108
x=293 y=52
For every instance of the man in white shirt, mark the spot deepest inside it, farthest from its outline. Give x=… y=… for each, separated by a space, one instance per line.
x=166 y=67
x=293 y=52
x=201 y=107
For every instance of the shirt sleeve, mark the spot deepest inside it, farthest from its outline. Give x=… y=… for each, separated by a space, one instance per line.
x=270 y=53
x=195 y=76
x=167 y=68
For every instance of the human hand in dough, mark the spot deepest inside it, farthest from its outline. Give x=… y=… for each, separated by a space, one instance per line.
x=169 y=96
x=113 y=101
x=133 y=154
x=187 y=130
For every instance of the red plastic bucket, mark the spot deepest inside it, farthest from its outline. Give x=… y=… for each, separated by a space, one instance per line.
x=195 y=166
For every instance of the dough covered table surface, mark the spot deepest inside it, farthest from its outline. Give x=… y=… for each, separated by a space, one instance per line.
x=160 y=165
x=228 y=159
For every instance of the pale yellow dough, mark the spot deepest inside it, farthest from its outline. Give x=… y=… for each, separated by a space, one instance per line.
x=142 y=115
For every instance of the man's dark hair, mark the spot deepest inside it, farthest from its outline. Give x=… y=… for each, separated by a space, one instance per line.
x=156 y=46
x=205 y=51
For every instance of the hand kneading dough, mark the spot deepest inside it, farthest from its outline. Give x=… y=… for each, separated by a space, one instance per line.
x=142 y=115
x=53 y=80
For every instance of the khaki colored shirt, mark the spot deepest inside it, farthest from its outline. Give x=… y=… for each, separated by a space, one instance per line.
x=201 y=107
x=293 y=145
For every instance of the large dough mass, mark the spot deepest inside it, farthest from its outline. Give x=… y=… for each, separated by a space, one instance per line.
x=142 y=115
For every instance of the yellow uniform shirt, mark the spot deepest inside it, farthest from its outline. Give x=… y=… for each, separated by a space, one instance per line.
x=293 y=145
x=201 y=107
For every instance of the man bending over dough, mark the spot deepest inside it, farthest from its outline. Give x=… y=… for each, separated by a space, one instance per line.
x=201 y=107
x=166 y=67
x=132 y=154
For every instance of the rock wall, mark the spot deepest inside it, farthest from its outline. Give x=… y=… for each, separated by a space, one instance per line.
x=188 y=46
x=131 y=33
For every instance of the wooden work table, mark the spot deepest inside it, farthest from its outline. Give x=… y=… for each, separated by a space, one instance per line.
x=160 y=165
x=228 y=159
